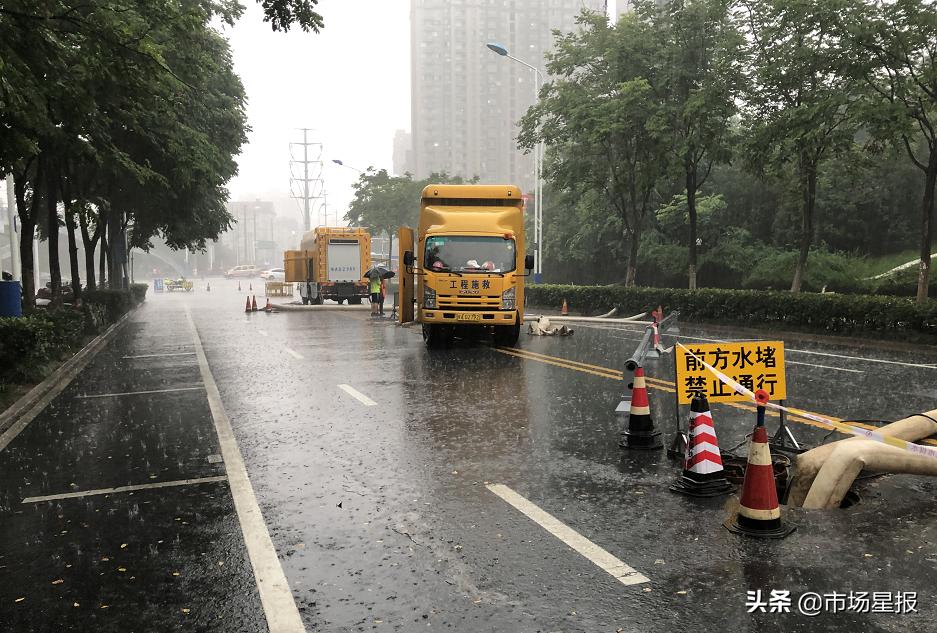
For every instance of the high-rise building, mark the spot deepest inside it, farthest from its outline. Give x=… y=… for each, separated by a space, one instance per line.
x=403 y=153
x=466 y=101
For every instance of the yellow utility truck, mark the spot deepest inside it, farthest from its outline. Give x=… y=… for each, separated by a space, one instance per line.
x=466 y=263
x=330 y=264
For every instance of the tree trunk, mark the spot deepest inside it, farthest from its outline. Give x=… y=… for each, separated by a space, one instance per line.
x=114 y=273
x=72 y=251
x=809 y=170
x=927 y=226
x=27 y=236
x=102 y=262
x=52 y=211
x=691 y=208
x=89 y=243
x=632 y=272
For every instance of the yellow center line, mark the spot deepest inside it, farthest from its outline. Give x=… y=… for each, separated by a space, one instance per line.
x=666 y=385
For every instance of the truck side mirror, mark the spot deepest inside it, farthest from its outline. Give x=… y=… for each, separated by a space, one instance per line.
x=408 y=258
x=529 y=262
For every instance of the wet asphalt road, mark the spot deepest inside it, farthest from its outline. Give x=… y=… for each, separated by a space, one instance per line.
x=380 y=515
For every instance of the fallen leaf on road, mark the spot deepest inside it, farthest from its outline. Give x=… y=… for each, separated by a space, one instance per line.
x=185 y=610
x=59 y=581
x=19 y=599
x=123 y=545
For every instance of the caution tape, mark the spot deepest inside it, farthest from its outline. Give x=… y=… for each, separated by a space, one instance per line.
x=875 y=436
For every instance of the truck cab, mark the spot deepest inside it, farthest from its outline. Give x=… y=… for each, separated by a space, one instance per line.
x=469 y=262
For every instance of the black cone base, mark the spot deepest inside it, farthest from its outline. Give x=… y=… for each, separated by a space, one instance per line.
x=641 y=433
x=689 y=486
x=774 y=528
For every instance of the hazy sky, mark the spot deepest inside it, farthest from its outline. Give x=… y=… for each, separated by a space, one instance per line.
x=350 y=84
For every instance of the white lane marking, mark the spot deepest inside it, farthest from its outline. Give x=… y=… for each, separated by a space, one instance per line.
x=262 y=332
x=599 y=556
x=137 y=393
x=786 y=349
x=108 y=491
x=159 y=355
x=275 y=594
x=293 y=353
x=357 y=395
x=853 y=371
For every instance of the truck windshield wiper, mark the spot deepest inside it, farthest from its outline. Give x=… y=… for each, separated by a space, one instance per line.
x=484 y=271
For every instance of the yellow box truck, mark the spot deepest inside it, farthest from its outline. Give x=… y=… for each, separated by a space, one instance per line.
x=330 y=264
x=466 y=264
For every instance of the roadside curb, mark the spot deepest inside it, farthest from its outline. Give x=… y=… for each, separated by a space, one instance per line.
x=302 y=308
x=22 y=412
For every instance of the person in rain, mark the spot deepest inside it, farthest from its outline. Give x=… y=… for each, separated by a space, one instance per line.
x=374 y=287
x=383 y=296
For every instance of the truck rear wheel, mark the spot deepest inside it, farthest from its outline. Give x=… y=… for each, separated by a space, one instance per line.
x=433 y=335
x=507 y=335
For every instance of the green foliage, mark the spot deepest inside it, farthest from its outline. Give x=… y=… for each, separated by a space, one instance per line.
x=383 y=203
x=833 y=313
x=29 y=344
x=282 y=14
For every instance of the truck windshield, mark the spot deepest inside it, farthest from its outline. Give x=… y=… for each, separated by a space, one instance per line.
x=469 y=253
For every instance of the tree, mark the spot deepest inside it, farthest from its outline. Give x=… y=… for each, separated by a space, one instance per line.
x=282 y=14
x=895 y=48
x=703 y=75
x=802 y=99
x=384 y=203
x=604 y=121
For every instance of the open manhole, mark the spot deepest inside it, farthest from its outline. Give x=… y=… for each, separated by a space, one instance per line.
x=852 y=498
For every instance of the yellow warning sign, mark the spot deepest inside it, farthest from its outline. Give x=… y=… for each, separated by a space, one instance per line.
x=753 y=364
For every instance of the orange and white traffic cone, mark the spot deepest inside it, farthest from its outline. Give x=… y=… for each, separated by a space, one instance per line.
x=247 y=308
x=254 y=303
x=641 y=433
x=250 y=287
x=565 y=309
x=269 y=306
x=239 y=285
x=759 y=512
x=703 y=474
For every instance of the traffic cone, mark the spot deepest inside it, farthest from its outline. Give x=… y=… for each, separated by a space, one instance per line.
x=565 y=309
x=208 y=287
x=641 y=433
x=759 y=512
x=239 y=285
x=657 y=346
x=254 y=304
x=269 y=306
x=250 y=287
x=247 y=308
x=703 y=475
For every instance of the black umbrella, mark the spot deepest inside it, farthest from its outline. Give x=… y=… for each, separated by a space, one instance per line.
x=381 y=271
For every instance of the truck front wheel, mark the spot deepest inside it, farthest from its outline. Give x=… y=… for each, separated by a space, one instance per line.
x=433 y=335
x=507 y=335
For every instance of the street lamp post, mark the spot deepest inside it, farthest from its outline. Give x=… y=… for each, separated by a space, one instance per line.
x=538 y=163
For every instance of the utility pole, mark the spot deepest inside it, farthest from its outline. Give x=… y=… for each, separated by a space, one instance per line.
x=311 y=180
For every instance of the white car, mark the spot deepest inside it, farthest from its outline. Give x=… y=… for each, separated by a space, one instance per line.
x=248 y=270
x=274 y=274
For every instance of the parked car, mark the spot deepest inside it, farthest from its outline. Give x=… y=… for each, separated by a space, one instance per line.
x=246 y=270
x=274 y=274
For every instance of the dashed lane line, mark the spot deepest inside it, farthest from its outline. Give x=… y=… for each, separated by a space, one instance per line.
x=138 y=393
x=357 y=395
x=262 y=332
x=599 y=556
x=294 y=353
x=852 y=371
x=110 y=491
x=276 y=598
x=158 y=355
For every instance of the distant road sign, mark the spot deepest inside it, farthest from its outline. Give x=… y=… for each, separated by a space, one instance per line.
x=755 y=365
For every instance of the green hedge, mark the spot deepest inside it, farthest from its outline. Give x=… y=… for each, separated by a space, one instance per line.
x=815 y=312
x=28 y=344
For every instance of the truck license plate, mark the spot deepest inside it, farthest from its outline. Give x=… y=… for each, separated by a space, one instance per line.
x=468 y=317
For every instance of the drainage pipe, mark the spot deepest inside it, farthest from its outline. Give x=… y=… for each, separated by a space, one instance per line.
x=848 y=459
x=911 y=429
